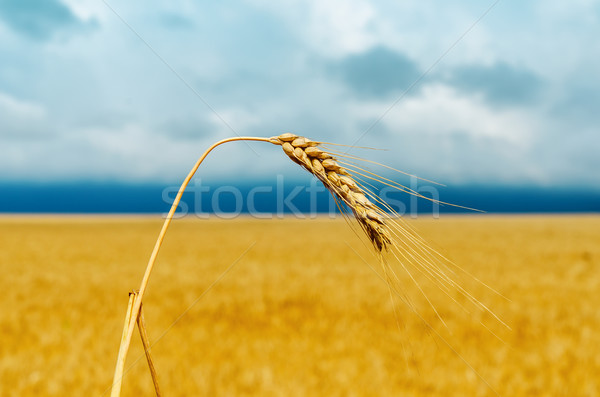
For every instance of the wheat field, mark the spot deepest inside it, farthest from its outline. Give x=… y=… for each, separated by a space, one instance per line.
x=294 y=307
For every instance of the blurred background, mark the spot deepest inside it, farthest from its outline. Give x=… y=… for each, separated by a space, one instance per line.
x=104 y=100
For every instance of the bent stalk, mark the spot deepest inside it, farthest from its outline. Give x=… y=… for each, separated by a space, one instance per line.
x=133 y=315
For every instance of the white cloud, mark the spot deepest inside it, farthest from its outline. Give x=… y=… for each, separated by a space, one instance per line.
x=21 y=120
x=102 y=105
x=440 y=110
x=329 y=28
x=14 y=108
x=341 y=27
x=87 y=10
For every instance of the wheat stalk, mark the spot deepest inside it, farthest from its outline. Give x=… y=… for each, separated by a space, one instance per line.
x=133 y=314
x=348 y=184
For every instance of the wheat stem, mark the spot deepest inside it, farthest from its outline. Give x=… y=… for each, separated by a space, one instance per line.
x=126 y=340
x=121 y=356
x=141 y=323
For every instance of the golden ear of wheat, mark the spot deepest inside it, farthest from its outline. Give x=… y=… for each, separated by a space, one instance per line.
x=339 y=182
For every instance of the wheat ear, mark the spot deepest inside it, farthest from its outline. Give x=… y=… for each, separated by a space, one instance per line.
x=339 y=182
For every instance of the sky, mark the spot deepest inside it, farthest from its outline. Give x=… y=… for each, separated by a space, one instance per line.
x=502 y=93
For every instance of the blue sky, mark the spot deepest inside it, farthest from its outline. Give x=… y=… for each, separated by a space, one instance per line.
x=515 y=101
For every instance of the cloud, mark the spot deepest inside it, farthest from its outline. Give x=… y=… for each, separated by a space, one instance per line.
x=579 y=104
x=441 y=109
x=21 y=120
x=446 y=134
x=10 y=106
x=38 y=19
x=331 y=29
x=340 y=26
x=188 y=128
x=500 y=84
x=377 y=72
x=172 y=20
x=442 y=122
x=111 y=109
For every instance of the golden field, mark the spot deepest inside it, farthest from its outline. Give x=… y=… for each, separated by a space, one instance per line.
x=298 y=310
